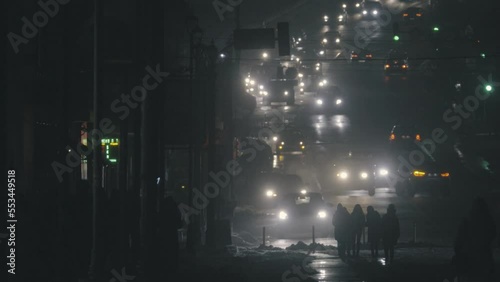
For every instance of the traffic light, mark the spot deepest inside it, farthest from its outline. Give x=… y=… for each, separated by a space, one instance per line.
x=435 y=29
x=396 y=37
x=488 y=88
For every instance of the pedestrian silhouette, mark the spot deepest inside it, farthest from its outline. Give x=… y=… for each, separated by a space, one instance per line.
x=374 y=224
x=170 y=223
x=390 y=232
x=358 y=222
x=340 y=221
x=473 y=256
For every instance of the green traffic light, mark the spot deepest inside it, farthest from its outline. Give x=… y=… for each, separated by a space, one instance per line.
x=488 y=88
x=396 y=38
x=436 y=28
x=483 y=55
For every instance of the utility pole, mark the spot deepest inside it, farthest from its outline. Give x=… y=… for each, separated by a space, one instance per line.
x=94 y=269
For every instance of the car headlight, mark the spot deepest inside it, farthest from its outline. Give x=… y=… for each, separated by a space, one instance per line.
x=303 y=191
x=275 y=138
x=343 y=175
x=286 y=93
x=301 y=75
x=357 y=5
x=375 y=12
x=321 y=84
x=364 y=175
x=383 y=172
x=344 y=6
x=301 y=89
x=325 y=18
x=319 y=102
x=283 y=215
x=270 y=193
x=322 y=214
x=338 y=101
x=325 y=40
x=341 y=17
x=337 y=40
x=321 y=53
x=302 y=84
x=280 y=147
x=261 y=87
x=282 y=143
x=365 y=12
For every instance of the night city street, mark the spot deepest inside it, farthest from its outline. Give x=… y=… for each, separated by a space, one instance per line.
x=238 y=140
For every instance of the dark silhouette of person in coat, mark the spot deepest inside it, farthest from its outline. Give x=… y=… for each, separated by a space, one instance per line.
x=390 y=232
x=358 y=222
x=473 y=256
x=374 y=224
x=170 y=223
x=341 y=223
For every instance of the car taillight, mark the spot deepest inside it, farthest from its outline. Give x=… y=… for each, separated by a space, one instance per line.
x=404 y=66
x=392 y=137
x=354 y=55
x=418 y=173
x=387 y=66
x=417 y=137
x=405 y=15
x=369 y=55
x=419 y=15
x=445 y=174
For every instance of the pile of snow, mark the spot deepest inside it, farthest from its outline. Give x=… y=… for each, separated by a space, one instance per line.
x=244 y=239
x=301 y=246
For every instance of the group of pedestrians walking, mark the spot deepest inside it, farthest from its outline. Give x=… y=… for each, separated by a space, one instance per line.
x=349 y=229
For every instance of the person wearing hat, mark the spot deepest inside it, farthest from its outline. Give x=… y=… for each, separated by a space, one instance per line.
x=390 y=232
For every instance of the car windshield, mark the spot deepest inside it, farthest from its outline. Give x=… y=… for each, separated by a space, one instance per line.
x=372 y=5
x=297 y=199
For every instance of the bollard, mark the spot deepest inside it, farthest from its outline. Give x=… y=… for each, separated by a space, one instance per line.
x=314 y=236
x=263 y=236
x=415 y=232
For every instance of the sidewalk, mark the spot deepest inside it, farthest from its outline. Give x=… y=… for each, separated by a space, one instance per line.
x=263 y=264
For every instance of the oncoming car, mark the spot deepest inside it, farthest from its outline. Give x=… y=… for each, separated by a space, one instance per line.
x=299 y=212
x=328 y=98
x=371 y=9
x=331 y=39
x=355 y=171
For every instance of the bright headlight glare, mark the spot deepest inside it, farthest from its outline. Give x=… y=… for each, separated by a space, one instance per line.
x=375 y=12
x=303 y=191
x=269 y=193
x=383 y=172
x=275 y=138
x=302 y=84
x=261 y=87
x=319 y=102
x=321 y=214
x=343 y=175
x=365 y=12
x=338 y=102
x=364 y=175
x=283 y=215
x=337 y=40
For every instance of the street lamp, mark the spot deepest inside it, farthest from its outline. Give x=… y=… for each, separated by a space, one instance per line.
x=265 y=55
